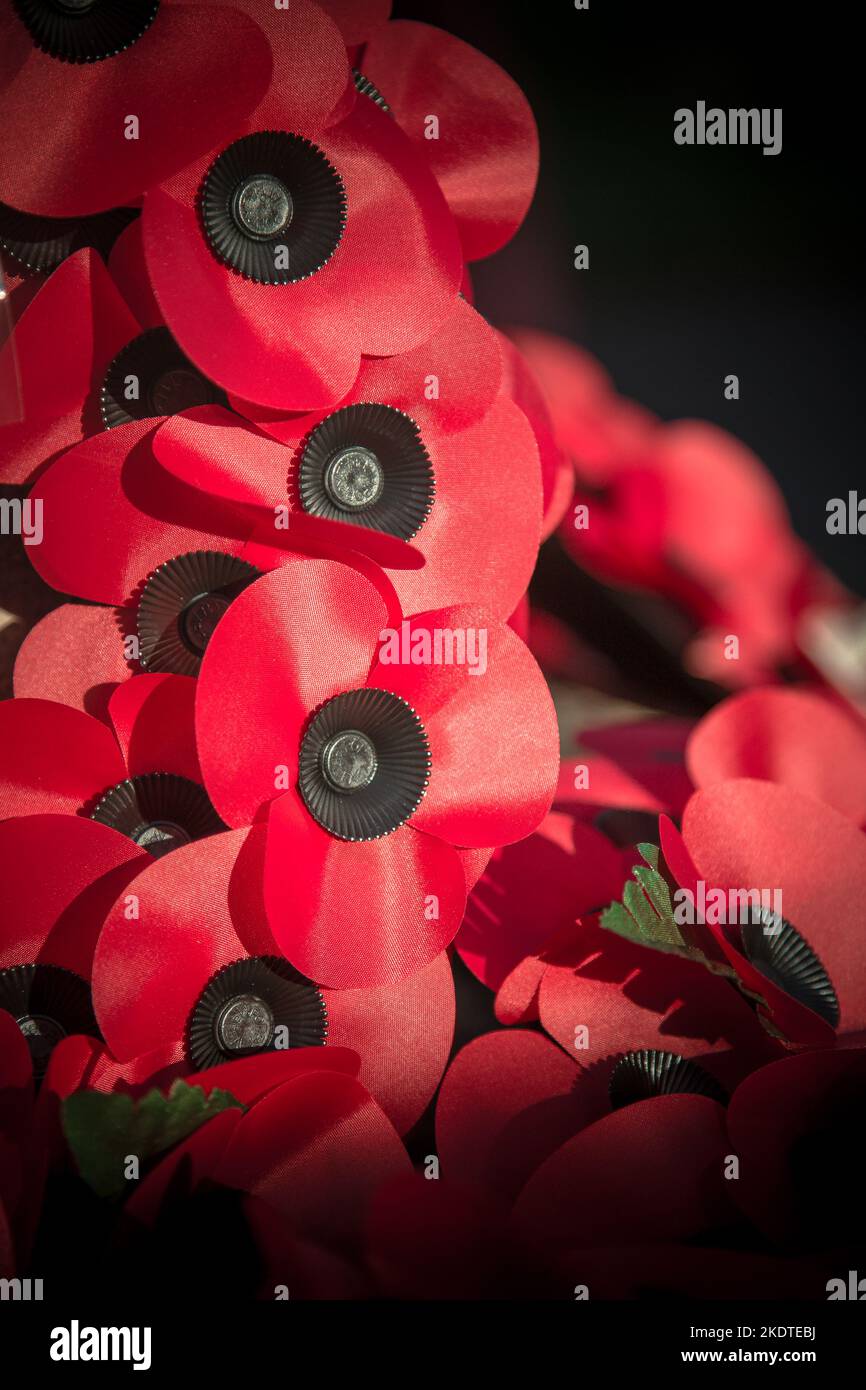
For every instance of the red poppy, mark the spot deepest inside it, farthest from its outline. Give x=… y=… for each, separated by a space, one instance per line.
x=315 y=212
x=800 y=956
x=201 y=943
x=58 y=876
x=441 y=490
x=650 y=1172
x=70 y=82
x=530 y=891
x=794 y=1127
x=469 y=120
x=796 y=738
x=54 y=363
x=427 y=764
x=644 y=492
x=312 y=1151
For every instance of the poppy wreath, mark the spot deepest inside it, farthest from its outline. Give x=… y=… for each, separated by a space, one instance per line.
x=355 y=907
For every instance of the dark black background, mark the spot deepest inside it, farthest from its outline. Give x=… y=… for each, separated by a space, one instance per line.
x=703 y=261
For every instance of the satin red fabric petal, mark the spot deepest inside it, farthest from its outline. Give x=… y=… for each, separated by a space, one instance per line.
x=358 y=19
x=755 y=834
x=316 y=1149
x=606 y=996
x=403 y=1034
x=60 y=875
x=75 y=656
x=557 y=469
x=800 y=1174
x=485 y=788
x=123 y=516
x=64 y=150
x=485 y=155
x=533 y=889
x=55 y=759
x=508 y=1101
x=480 y=541
x=311 y=885
x=54 y=361
x=652 y=1171
x=154 y=720
x=199 y=909
x=794 y=737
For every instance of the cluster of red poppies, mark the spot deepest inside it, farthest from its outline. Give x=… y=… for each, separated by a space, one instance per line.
x=287 y=750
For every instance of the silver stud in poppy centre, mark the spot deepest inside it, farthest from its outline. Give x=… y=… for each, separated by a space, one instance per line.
x=262 y=206
x=354 y=479
x=244 y=1024
x=349 y=761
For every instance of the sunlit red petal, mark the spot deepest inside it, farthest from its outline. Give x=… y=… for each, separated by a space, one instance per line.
x=113 y=515
x=153 y=718
x=74 y=655
x=486 y=154
x=493 y=737
x=60 y=875
x=55 y=758
x=403 y=1034
x=793 y=737
x=414 y=897
x=64 y=151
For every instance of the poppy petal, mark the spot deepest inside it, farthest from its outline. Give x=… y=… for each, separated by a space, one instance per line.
x=652 y=1171
x=54 y=361
x=747 y=834
x=316 y=1149
x=61 y=874
x=508 y=1101
x=55 y=758
x=414 y=899
x=485 y=788
x=480 y=541
x=793 y=737
x=153 y=718
x=123 y=516
x=531 y=890
x=188 y=48
x=74 y=656
x=486 y=154
x=403 y=1034
x=198 y=910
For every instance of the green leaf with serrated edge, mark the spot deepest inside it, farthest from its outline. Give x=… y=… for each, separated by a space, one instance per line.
x=649 y=853
x=104 y=1130
x=645 y=914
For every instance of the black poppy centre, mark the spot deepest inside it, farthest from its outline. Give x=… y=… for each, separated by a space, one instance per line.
x=776 y=949
x=150 y=377
x=364 y=764
x=159 y=811
x=650 y=1072
x=86 y=31
x=48 y=1004
x=273 y=207
x=259 y=1004
x=181 y=605
x=367 y=464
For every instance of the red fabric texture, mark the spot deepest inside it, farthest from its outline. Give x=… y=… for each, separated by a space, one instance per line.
x=485 y=153
x=87 y=164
